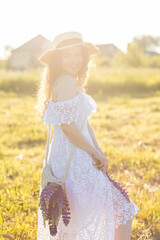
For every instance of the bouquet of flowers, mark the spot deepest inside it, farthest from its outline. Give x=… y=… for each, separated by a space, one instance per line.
x=54 y=203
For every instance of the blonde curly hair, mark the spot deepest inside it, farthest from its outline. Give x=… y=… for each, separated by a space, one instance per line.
x=52 y=71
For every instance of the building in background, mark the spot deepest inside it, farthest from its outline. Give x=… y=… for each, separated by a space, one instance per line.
x=26 y=56
x=108 y=50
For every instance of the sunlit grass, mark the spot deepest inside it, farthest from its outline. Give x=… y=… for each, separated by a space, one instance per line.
x=102 y=82
x=127 y=129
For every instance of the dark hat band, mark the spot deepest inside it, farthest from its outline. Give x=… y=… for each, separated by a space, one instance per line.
x=68 y=42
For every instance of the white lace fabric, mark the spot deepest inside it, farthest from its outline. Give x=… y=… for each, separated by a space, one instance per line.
x=97 y=206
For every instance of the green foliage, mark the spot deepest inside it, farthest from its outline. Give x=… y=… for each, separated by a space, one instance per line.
x=21 y=82
x=137 y=51
x=136 y=55
x=103 y=81
x=102 y=61
x=3 y=64
x=155 y=62
x=147 y=43
x=130 y=81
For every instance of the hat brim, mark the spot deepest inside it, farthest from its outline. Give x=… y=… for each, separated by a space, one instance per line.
x=46 y=55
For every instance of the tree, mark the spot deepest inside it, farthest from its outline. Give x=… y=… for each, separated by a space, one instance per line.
x=135 y=55
x=138 y=50
x=8 y=51
x=147 y=43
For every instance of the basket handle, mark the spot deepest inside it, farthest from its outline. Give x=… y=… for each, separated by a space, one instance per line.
x=71 y=155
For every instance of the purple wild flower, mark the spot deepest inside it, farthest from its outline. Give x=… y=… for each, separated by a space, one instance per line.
x=111 y=179
x=54 y=204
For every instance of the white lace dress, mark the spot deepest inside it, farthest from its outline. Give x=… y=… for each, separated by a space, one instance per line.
x=97 y=207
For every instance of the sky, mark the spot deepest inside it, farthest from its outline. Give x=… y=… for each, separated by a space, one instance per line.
x=98 y=21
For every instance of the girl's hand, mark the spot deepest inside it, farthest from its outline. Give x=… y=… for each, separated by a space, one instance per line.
x=102 y=159
x=105 y=166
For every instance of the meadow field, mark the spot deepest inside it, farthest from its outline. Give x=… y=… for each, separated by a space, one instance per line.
x=126 y=125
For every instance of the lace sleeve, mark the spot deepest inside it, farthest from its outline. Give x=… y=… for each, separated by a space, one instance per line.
x=60 y=112
x=91 y=105
x=66 y=112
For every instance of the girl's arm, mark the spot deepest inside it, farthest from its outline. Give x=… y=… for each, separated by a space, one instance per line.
x=74 y=135
x=91 y=132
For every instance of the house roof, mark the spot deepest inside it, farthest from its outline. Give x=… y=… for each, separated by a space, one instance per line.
x=107 y=45
x=34 y=44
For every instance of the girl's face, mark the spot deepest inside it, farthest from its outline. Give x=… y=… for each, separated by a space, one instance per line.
x=71 y=60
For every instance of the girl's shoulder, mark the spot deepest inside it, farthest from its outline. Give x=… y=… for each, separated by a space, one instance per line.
x=65 y=89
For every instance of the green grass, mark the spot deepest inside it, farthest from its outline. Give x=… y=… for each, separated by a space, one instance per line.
x=120 y=81
x=103 y=81
x=127 y=128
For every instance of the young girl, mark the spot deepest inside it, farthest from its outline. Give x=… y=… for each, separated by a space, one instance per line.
x=99 y=211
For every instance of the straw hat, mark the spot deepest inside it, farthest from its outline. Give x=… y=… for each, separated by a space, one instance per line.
x=65 y=40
